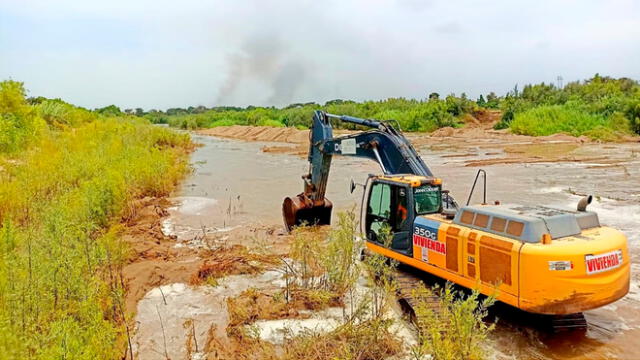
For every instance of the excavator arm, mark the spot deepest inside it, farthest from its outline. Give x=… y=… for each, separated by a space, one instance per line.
x=383 y=144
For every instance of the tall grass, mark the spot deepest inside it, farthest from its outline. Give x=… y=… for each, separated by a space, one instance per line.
x=324 y=270
x=61 y=198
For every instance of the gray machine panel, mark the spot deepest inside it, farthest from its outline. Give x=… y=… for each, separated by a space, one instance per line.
x=537 y=220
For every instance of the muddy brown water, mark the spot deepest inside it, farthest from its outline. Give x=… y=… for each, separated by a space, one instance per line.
x=236 y=184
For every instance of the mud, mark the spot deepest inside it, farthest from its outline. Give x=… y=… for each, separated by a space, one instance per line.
x=157 y=259
x=235 y=193
x=153 y=258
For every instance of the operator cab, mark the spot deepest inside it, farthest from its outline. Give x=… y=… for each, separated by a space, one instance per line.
x=393 y=202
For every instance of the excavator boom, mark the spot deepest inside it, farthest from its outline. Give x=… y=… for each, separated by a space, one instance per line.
x=383 y=144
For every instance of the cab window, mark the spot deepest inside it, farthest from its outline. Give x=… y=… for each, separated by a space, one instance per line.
x=387 y=211
x=380 y=201
x=428 y=199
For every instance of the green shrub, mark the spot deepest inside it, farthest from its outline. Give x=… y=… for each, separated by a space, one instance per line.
x=571 y=119
x=594 y=101
x=632 y=112
x=270 y=122
x=19 y=122
x=58 y=114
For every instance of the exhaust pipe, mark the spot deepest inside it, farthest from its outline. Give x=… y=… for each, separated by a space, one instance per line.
x=582 y=204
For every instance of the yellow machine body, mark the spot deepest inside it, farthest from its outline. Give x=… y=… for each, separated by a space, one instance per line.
x=563 y=275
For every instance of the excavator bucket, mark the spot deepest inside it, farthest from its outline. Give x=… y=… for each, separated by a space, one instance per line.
x=296 y=212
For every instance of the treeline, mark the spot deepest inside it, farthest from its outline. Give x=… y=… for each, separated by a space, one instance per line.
x=68 y=176
x=412 y=115
x=600 y=107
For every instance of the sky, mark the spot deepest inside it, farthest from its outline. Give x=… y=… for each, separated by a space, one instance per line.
x=158 y=54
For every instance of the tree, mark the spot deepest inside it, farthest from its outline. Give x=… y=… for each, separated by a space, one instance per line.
x=110 y=110
x=481 y=101
x=492 y=100
x=434 y=96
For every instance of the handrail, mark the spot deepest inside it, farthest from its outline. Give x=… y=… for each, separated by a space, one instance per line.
x=484 y=178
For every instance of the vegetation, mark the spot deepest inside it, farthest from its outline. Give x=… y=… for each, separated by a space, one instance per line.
x=454 y=331
x=20 y=124
x=326 y=264
x=322 y=270
x=412 y=115
x=601 y=108
x=323 y=267
x=67 y=176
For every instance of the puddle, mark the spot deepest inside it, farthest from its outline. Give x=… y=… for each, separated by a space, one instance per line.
x=275 y=331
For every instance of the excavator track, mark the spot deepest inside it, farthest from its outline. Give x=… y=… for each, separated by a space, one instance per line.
x=408 y=279
x=569 y=322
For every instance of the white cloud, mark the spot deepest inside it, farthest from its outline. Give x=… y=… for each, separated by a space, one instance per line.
x=166 y=53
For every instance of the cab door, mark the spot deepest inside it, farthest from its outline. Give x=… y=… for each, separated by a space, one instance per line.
x=387 y=217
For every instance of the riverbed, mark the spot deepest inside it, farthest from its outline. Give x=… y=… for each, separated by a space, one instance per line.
x=235 y=184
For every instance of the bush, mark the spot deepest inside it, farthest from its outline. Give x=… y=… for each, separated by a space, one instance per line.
x=326 y=262
x=59 y=114
x=270 y=122
x=19 y=123
x=454 y=331
x=224 y=122
x=570 y=118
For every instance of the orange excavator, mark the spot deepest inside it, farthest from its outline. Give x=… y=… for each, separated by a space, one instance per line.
x=543 y=260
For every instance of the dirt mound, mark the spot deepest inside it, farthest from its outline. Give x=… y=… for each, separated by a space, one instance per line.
x=259 y=133
x=444 y=132
x=562 y=137
x=488 y=118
